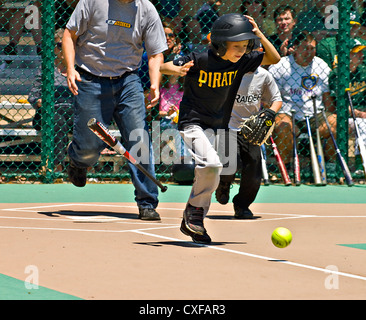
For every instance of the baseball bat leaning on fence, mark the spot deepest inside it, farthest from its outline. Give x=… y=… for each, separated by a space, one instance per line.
x=264 y=166
x=319 y=147
x=359 y=139
x=296 y=168
x=313 y=157
x=103 y=133
x=281 y=165
x=342 y=162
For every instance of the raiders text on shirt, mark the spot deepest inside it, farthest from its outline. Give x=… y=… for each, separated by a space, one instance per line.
x=250 y=98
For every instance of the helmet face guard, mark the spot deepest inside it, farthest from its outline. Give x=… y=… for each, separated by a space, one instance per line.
x=231 y=27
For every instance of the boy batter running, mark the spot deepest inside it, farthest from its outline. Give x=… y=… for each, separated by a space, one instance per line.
x=209 y=76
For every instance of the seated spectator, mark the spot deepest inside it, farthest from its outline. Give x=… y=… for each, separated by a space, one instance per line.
x=359 y=8
x=16 y=12
x=171 y=92
x=314 y=21
x=63 y=108
x=257 y=9
x=169 y=10
x=174 y=50
x=299 y=76
x=189 y=31
x=358 y=94
x=207 y=15
x=285 y=19
x=173 y=42
x=327 y=48
x=63 y=11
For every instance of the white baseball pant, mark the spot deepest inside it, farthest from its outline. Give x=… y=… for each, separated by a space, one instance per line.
x=201 y=145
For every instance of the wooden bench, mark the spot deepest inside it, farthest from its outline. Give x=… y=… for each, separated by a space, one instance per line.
x=20 y=57
x=21 y=136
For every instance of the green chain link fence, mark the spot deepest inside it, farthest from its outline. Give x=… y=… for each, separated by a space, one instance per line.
x=36 y=106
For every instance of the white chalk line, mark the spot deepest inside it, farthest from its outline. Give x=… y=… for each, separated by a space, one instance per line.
x=144 y=232
x=86 y=230
x=300 y=265
x=36 y=208
x=107 y=219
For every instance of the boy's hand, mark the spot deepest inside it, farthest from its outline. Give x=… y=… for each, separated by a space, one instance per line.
x=185 y=68
x=255 y=29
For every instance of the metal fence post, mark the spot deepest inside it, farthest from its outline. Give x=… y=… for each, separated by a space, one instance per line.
x=343 y=51
x=48 y=58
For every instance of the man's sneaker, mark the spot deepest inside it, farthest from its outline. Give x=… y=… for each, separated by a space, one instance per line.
x=77 y=176
x=222 y=193
x=148 y=214
x=359 y=172
x=359 y=165
x=197 y=238
x=193 y=219
x=242 y=213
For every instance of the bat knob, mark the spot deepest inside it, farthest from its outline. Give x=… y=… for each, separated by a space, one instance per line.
x=91 y=122
x=164 y=188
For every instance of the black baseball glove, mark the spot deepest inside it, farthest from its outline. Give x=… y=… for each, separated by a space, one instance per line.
x=259 y=127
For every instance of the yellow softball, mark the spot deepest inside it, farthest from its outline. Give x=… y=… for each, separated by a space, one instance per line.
x=281 y=237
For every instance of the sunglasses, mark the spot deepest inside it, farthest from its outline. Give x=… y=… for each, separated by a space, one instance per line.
x=59 y=45
x=170 y=35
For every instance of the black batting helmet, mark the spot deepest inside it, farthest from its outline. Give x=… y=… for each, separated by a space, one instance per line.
x=231 y=27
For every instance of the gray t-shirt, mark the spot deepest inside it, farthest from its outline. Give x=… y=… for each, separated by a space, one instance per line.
x=255 y=87
x=111 y=35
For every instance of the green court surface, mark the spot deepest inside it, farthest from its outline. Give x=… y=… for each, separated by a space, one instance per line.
x=17 y=193
x=14 y=289
x=361 y=246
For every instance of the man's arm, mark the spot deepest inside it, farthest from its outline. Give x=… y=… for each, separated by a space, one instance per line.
x=154 y=62
x=68 y=48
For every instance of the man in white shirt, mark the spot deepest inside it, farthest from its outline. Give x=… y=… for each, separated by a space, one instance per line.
x=299 y=77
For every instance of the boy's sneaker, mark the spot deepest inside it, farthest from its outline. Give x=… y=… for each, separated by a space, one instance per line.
x=77 y=176
x=148 y=214
x=193 y=219
x=222 y=192
x=197 y=238
x=242 y=213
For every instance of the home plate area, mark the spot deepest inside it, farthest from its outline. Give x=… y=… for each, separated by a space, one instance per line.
x=103 y=251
